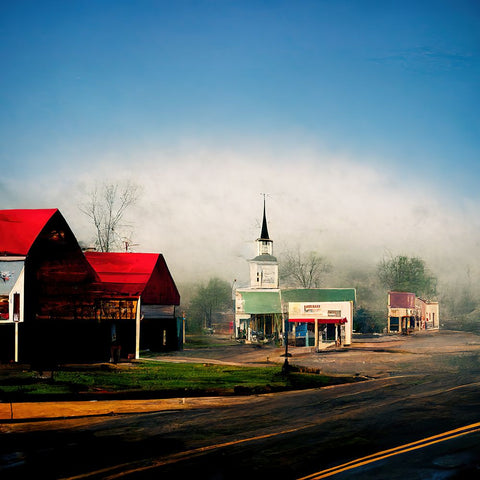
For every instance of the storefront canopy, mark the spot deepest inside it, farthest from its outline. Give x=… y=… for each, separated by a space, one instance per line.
x=261 y=302
x=319 y=320
x=319 y=295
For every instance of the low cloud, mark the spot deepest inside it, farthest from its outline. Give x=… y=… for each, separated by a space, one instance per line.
x=202 y=208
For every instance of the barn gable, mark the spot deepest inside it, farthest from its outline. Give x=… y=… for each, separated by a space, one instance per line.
x=57 y=274
x=135 y=274
x=161 y=289
x=20 y=228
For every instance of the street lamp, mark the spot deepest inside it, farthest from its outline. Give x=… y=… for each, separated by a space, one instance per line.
x=286 y=366
x=234 y=323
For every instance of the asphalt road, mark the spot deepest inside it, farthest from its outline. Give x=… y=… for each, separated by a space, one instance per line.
x=284 y=436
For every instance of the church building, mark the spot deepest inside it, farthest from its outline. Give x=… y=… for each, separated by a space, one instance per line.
x=316 y=317
x=258 y=312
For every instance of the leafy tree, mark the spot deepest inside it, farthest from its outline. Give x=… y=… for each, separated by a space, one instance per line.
x=106 y=208
x=366 y=321
x=303 y=269
x=371 y=301
x=208 y=300
x=407 y=274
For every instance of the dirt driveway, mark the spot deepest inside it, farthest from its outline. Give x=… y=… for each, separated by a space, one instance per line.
x=370 y=356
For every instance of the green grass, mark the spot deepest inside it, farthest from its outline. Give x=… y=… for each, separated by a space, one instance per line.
x=206 y=341
x=149 y=378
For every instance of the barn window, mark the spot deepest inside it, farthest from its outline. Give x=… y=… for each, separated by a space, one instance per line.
x=3 y=307
x=56 y=235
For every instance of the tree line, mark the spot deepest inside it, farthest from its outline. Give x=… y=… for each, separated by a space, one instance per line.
x=459 y=304
x=310 y=270
x=203 y=302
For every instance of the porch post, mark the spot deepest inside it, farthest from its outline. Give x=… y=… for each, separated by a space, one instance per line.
x=316 y=334
x=137 y=330
x=16 y=342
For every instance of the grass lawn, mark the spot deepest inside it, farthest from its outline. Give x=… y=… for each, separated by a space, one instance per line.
x=150 y=379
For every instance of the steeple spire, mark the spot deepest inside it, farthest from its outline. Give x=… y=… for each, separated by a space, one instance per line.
x=264 y=267
x=264 y=234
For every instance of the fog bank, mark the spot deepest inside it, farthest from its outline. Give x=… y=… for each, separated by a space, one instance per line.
x=202 y=209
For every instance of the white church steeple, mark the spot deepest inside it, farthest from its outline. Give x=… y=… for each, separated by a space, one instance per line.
x=264 y=267
x=264 y=244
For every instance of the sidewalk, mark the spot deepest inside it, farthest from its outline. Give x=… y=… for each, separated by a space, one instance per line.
x=35 y=411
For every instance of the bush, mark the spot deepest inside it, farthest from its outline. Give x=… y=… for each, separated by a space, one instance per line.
x=365 y=321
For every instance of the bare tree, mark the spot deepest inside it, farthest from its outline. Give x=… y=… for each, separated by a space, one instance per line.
x=106 y=208
x=303 y=269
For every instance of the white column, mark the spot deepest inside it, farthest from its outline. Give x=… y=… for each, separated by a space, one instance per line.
x=16 y=342
x=137 y=330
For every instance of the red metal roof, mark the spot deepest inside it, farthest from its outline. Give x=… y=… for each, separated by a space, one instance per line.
x=125 y=274
x=20 y=228
x=401 y=299
x=135 y=274
x=114 y=267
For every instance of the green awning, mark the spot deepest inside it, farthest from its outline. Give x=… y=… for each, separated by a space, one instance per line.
x=319 y=295
x=261 y=302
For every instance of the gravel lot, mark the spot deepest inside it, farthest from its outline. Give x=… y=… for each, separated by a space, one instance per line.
x=370 y=356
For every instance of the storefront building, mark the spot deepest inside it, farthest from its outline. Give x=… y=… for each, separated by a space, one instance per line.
x=320 y=317
x=408 y=313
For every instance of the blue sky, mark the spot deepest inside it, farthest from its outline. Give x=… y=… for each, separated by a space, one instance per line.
x=388 y=85
x=396 y=81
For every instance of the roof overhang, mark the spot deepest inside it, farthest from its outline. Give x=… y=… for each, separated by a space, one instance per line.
x=321 y=321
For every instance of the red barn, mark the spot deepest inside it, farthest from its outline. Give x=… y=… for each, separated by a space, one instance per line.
x=145 y=279
x=54 y=280
x=56 y=305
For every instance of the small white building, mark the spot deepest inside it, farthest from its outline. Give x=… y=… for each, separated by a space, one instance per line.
x=432 y=318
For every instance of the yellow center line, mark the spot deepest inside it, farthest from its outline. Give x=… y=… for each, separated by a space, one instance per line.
x=474 y=427
x=174 y=457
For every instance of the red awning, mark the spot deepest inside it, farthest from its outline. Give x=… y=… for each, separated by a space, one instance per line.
x=319 y=320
